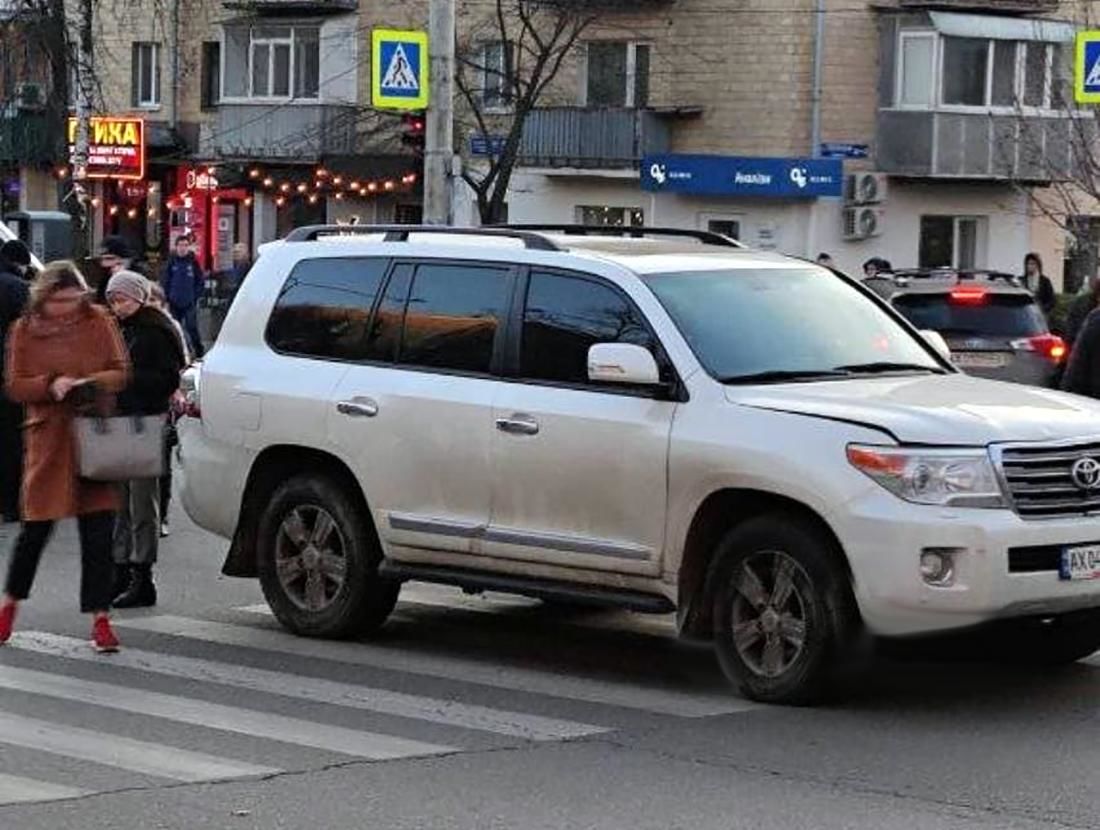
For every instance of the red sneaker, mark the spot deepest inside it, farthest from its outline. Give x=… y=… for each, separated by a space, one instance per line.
x=7 y=621
x=103 y=636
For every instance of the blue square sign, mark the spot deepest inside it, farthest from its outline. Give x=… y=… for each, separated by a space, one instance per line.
x=1086 y=75
x=400 y=70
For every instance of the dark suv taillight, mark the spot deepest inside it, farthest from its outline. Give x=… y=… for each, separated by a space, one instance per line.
x=1050 y=346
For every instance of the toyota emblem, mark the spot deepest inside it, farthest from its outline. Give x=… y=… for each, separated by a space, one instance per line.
x=1086 y=473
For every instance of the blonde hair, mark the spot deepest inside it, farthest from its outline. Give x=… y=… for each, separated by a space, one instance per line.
x=56 y=276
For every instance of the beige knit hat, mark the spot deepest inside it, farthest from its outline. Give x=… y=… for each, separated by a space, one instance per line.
x=129 y=284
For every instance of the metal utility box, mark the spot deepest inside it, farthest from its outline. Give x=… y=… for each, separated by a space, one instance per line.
x=48 y=233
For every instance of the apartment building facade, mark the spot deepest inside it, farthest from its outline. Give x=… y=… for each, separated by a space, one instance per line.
x=898 y=130
x=941 y=127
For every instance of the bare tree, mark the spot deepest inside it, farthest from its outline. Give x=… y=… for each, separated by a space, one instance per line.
x=505 y=69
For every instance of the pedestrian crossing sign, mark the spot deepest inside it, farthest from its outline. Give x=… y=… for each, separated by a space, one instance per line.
x=399 y=69
x=1086 y=75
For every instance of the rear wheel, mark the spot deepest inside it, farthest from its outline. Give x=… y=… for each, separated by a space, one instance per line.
x=318 y=561
x=783 y=612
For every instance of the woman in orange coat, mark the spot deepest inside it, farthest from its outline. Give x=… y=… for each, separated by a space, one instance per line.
x=61 y=344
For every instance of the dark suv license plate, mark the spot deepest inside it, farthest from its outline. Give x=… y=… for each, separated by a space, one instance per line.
x=1080 y=563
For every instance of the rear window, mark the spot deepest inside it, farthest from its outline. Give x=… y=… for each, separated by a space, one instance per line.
x=998 y=315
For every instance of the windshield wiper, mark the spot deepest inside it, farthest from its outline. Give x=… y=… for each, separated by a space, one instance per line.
x=888 y=366
x=780 y=375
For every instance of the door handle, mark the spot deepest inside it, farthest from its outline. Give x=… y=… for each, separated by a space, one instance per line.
x=358 y=408
x=518 y=425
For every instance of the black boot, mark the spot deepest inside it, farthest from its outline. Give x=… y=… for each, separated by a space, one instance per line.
x=141 y=592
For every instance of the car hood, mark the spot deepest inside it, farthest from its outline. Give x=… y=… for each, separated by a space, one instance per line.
x=934 y=409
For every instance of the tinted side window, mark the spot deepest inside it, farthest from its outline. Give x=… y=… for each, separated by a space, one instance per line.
x=385 y=330
x=564 y=317
x=324 y=307
x=453 y=315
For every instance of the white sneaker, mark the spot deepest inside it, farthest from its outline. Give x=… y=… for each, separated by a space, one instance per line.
x=164 y=531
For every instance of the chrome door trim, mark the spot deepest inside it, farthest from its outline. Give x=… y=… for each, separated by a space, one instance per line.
x=509 y=536
x=572 y=544
x=436 y=527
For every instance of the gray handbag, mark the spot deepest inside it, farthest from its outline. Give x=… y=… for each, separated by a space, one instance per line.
x=120 y=448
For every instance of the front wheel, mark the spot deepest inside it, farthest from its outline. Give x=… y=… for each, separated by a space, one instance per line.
x=783 y=612
x=318 y=561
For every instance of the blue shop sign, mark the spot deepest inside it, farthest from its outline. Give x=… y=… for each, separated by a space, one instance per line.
x=789 y=178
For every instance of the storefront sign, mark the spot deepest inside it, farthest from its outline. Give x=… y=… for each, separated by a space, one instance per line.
x=116 y=147
x=487 y=145
x=201 y=180
x=785 y=178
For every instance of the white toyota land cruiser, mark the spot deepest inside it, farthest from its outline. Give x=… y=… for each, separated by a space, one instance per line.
x=660 y=424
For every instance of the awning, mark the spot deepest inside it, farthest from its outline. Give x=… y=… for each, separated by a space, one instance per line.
x=1002 y=28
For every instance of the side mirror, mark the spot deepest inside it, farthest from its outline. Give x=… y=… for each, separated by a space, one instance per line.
x=936 y=341
x=622 y=363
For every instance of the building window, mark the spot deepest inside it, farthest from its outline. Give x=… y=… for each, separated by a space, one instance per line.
x=211 y=74
x=726 y=227
x=496 y=71
x=952 y=241
x=980 y=72
x=271 y=62
x=617 y=74
x=145 y=69
x=612 y=217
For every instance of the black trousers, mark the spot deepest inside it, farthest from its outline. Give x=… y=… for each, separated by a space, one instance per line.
x=166 y=479
x=11 y=459
x=96 y=567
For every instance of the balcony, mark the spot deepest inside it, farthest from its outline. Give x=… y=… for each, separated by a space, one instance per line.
x=979 y=145
x=291 y=132
x=592 y=138
x=292 y=7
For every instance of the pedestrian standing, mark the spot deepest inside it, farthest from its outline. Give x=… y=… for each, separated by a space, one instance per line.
x=62 y=351
x=1083 y=305
x=158 y=301
x=156 y=360
x=183 y=284
x=1038 y=283
x=15 y=260
x=114 y=256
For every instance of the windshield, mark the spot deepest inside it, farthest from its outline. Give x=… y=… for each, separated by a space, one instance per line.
x=798 y=321
x=999 y=315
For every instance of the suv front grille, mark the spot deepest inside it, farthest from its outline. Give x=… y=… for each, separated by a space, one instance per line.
x=1040 y=482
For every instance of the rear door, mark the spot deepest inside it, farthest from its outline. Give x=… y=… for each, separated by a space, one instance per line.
x=414 y=415
x=1001 y=336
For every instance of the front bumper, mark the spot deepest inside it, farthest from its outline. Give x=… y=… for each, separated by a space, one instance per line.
x=884 y=538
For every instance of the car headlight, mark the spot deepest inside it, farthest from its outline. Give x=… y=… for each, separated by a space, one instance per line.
x=956 y=478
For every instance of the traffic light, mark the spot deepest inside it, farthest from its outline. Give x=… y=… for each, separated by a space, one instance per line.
x=412 y=132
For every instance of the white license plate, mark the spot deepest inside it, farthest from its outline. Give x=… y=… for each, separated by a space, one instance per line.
x=979 y=360
x=1080 y=563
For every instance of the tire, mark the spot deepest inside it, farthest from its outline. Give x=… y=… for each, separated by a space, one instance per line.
x=1056 y=641
x=334 y=589
x=791 y=646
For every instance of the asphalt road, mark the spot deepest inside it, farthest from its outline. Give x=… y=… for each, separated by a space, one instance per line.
x=497 y=712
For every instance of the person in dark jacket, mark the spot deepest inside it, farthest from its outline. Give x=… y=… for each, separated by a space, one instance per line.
x=114 y=256
x=183 y=283
x=1082 y=375
x=1038 y=283
x=156 y=359
x=1083 y=305
x=15 y=260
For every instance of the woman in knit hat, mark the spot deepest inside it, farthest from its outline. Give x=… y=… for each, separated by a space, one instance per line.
x=157 y=360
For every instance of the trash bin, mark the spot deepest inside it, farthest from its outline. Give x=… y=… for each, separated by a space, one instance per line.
x=48 y=233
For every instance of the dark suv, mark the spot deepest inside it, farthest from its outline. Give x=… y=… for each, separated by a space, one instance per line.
x=991 y=322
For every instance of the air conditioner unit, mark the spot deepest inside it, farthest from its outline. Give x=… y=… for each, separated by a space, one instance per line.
x=865 y=188
x=30 y=95
x=862 y=222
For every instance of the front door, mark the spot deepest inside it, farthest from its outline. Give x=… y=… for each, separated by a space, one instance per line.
x=580 y=470
x=416 y=416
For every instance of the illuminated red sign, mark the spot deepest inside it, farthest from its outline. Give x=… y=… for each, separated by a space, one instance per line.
x=116 y=147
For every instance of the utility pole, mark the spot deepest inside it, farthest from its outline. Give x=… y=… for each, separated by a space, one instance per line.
x=439 y=129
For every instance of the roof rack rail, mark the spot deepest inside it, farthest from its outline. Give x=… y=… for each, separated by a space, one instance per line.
x=400 y=233
x=633 y=231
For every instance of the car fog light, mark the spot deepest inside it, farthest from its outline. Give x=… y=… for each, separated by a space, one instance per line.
x=937 y=566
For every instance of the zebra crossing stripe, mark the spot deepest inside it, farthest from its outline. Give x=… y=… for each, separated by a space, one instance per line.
x=613 y=693
x=17 y=790
x=217 y=716
x=316 y=690
x=124 y=753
